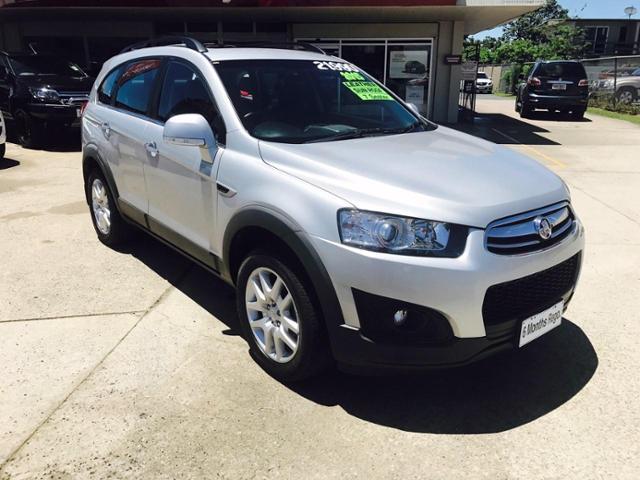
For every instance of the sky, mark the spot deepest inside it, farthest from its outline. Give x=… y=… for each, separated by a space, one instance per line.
x=584 y=9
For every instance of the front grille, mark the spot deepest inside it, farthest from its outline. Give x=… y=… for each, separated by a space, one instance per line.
x=73 y=98
x=521 y=298
x=521 y=233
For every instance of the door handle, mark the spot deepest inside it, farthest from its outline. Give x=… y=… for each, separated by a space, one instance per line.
x=152 y=149
x=106 y=129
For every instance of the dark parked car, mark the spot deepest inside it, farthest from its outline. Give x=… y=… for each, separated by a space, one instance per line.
x=554 y=86
x=40 y=92
x=414 y=66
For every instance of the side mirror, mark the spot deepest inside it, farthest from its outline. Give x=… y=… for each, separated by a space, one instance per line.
x=414 y=108
x=521 y=77
x=191 y=129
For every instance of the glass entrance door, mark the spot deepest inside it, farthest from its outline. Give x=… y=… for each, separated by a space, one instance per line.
x=369 y=57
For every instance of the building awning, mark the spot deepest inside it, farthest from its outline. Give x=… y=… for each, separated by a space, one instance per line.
x=478 y=15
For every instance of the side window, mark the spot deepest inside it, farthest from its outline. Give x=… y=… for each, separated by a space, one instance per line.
x=136 y=85
x=185 y=91
x=108 y=85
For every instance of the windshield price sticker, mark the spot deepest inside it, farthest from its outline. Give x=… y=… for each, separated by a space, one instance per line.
x=364 y=89
x=367 y=90
x=336 y=66
x=355 y=81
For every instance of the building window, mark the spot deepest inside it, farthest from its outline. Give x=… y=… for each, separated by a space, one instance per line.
x=597 y=39
x=622 y=36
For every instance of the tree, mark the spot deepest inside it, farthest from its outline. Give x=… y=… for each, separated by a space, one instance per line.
x=533 y=26
x=542 y=34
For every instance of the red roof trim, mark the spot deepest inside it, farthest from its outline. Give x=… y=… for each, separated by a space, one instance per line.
x=219 y=3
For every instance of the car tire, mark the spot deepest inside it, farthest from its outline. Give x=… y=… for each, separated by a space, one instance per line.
x=526 y=111
x=626 y=95
x=30 y=131
x=518 y=107
x=111 y=228
x=3 y=150
x=284 y=353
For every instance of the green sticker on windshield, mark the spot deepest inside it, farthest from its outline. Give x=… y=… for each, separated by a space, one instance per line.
x=367 y=90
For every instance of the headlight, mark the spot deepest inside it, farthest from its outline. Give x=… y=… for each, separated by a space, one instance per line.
x=401 y=235
x=46 y=94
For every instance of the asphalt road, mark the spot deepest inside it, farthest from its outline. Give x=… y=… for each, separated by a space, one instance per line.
x=128 y=364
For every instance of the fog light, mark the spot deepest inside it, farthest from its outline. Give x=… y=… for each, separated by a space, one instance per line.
x=400 y=317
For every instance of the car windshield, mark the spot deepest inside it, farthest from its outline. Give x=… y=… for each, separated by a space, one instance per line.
x=44 y=65
x=561 y=69
x=299 y=101
x=482 y=75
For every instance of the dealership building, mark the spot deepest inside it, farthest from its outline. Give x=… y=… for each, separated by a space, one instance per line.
x=410 y=45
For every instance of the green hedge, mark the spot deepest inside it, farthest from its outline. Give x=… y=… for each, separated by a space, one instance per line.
x=607 y=103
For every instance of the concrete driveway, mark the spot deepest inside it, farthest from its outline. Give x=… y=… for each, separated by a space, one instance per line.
x=128 y=364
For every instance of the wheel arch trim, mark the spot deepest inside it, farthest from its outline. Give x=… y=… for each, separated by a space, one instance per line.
x=91 y=154
x=294 y=237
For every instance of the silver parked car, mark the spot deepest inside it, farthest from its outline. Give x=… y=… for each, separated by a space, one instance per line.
x=354 y=230
x=484 y=84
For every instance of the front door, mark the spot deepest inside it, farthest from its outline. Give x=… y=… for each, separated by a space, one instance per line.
x=181 y=183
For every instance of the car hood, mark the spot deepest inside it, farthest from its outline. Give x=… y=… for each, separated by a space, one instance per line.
x=438 y=175
x=57 y=82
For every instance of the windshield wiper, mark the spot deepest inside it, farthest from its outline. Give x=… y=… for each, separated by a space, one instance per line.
x=355 y=133
x=365 y=132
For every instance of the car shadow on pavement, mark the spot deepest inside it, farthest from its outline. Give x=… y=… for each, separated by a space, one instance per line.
x=506 y=130
x=203 y=287
x=7 y=163
x=55 y=141
x=494 y=395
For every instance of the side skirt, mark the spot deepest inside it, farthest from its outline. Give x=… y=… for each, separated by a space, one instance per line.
x=202 y=257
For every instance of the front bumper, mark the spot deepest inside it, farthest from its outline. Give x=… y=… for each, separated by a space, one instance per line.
x=555 y=101
x=456 y=288
x=55 y=113
x=484 y=88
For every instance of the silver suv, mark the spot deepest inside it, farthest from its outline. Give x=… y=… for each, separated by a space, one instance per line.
x=354 y=230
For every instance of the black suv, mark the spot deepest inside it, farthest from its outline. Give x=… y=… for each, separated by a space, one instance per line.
x=40 y=92
x=554 y=85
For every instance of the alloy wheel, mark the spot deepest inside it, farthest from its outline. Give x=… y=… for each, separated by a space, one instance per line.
x=100 y=206
x=625 y=97
x=272 y=315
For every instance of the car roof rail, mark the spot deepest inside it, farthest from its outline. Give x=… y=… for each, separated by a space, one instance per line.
x=309 y=47
x=188 y=42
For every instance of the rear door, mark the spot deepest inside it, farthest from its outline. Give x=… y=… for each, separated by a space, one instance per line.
x=561 y=79
x=96 y=118
x=126 y=125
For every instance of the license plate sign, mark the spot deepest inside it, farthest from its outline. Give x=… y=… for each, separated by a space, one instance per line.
x=541 y=323
x=559 y=86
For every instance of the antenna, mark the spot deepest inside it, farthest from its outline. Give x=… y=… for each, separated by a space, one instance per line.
x=631 y=11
